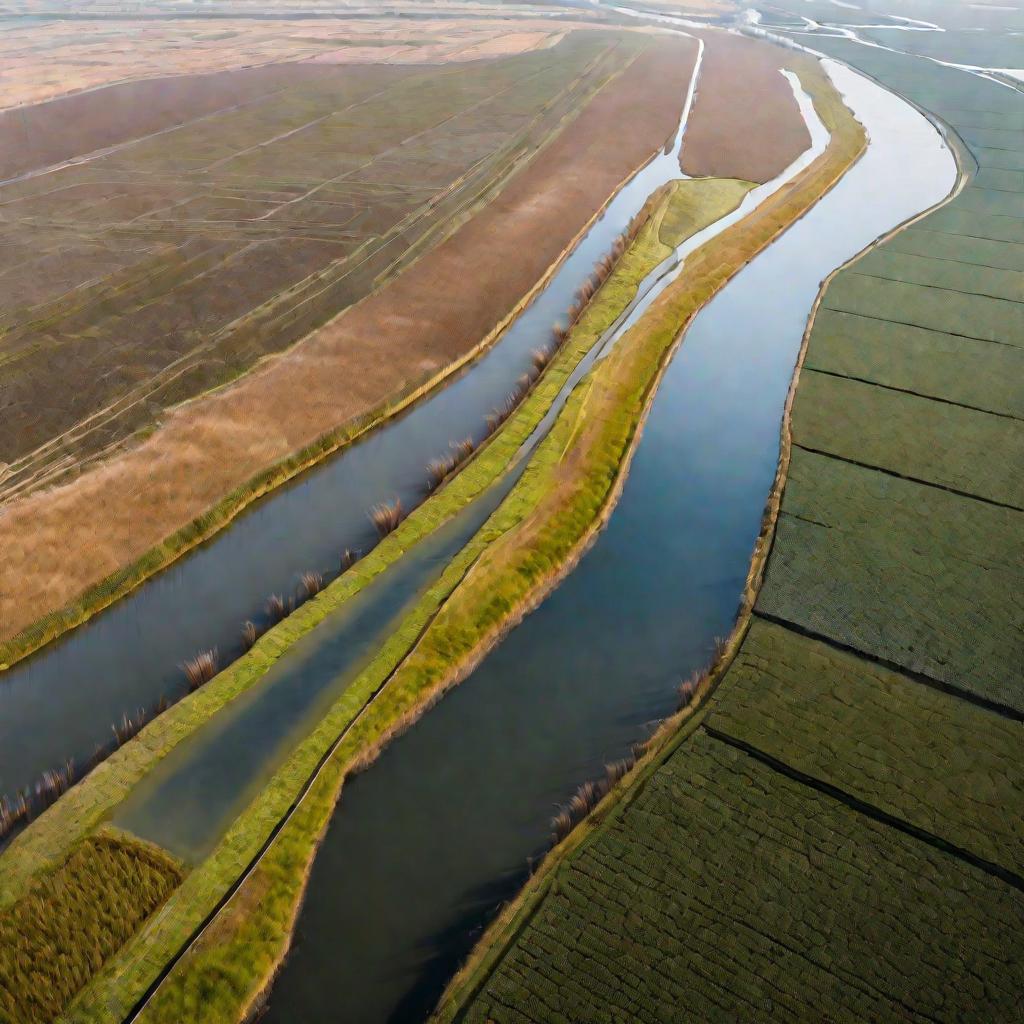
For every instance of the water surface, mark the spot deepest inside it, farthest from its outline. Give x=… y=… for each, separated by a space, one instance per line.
x=433 y=836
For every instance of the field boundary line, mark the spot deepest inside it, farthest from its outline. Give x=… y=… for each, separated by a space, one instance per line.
x=867 y=809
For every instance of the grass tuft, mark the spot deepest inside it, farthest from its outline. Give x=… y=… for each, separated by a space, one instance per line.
x=386 y=516
x=311 y=583
x=200 y=669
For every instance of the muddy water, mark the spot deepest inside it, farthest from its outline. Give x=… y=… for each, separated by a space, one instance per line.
x=61 y=702
x=432 y=837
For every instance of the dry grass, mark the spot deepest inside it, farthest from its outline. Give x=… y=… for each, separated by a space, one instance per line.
x=200 y=669
x=386 y=516
x=311 y=584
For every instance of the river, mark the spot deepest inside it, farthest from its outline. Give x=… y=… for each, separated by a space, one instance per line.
x=426 y=844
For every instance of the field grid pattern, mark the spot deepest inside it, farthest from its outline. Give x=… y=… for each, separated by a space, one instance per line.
x=228 y=215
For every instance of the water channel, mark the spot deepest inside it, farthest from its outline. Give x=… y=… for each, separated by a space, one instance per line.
x=426 y=844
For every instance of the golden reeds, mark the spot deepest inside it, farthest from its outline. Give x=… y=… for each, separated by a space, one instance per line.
x=200 y=669
x=386 y=516
x=275 y=608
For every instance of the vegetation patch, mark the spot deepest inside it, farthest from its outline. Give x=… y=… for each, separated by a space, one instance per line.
x=58 y=935
x=929 y=363
x=854 y=544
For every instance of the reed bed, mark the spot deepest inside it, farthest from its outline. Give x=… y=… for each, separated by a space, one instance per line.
x=200 y=669
x=587 y=797
x=386 y=516
x=311 y=583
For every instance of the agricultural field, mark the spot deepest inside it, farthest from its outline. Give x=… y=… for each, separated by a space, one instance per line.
x=261 y=266
x=227 y=222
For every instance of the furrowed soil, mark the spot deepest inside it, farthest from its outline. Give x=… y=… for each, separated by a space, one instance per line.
x=434 y=312
x=198 y=229
x=837 y=834
x=745 y=122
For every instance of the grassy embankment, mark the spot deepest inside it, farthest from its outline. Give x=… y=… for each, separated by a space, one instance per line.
x=47 y=844
x=838 y=832
x=241 y=967
x=590 y=73
x=558 y=505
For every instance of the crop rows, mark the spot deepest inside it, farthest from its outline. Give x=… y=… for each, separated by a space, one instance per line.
x=58 y=935
x=926 y=579
x=916 y=753
x=728 y=891
x=185 y=257
x=896 y=431
x=928 y=363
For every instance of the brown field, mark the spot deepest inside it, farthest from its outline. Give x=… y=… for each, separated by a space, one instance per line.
x=436 y=311
x=41 y=61
x=195 y=225
x=745 y=121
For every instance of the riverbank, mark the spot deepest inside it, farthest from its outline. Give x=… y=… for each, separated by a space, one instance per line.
x=828 y=833
x=600 y=424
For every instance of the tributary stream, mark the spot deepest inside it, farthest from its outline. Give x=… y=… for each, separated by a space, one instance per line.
x=431 y=838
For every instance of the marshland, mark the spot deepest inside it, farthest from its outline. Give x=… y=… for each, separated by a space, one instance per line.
x=132 y=652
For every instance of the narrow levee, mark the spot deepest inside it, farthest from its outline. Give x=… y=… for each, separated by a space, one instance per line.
x=426 y=844
x=60 y=703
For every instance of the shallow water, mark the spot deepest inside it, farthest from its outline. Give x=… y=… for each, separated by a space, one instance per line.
x=435 y=834
x=61 y=702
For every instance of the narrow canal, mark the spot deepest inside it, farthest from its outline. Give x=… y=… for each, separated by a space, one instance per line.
x=426 y=844
x=60 y=703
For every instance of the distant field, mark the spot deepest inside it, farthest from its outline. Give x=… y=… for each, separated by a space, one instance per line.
x=206 y=223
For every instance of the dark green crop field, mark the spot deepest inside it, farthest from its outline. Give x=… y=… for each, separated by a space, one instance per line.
x=729 y=892
x=876 y=426
x=841 y=837
x=914 y=752
x=143 y=273
x=958 y=370
x=904 y=572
